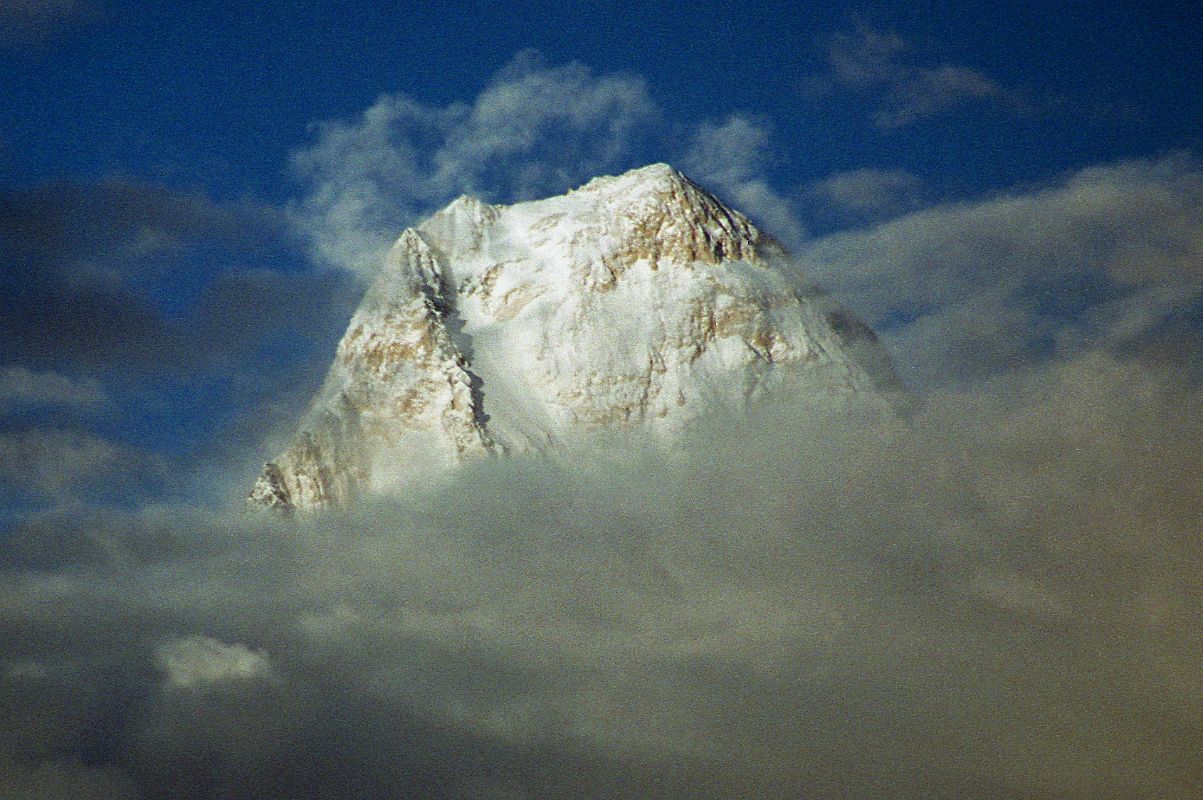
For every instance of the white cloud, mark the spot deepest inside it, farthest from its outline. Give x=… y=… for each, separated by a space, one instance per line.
x=1101 y=258
x=193 y=662
x=534 y=131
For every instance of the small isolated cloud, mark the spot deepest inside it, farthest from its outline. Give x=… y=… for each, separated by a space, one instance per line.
x=197 y=662
x=882 y=65
x=1107 y=258
x=20 y=387
x=534 y=130
x=731 y=158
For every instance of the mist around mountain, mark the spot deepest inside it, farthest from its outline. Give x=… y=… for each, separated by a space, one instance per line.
x=998 y=598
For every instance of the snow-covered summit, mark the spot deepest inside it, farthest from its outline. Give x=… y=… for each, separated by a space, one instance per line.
x=636 y=301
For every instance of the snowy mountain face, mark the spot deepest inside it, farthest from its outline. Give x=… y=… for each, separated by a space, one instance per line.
x=636 y=302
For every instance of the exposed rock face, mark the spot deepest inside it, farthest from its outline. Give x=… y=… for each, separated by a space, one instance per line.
x=637 y=301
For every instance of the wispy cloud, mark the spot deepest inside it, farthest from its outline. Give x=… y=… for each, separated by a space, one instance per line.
x=21 y=387
x=865 y=58
x=64 y=464
x=536 y=129
x=864 y=194
x=1105 y=257
x=884 y=67
x=929 y=92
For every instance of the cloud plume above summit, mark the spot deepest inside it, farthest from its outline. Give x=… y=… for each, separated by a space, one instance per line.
x=536 y=129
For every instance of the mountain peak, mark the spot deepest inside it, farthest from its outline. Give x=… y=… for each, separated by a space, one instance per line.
x=464 y=204
x=672 y=218
x=457 y=228
x=652 y=177
x=637 y=302
x=659 y=169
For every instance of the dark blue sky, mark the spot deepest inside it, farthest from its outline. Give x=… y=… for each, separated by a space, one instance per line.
x=216 y=95
x=165 y=185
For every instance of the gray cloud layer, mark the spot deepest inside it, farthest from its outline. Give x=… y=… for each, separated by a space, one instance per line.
x=143 y=278
x=113 y=296
x=1001 y=600
x=1108 y=256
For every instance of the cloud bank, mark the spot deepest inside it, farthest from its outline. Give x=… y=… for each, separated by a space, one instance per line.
x=999 y=600
x=1109 y=256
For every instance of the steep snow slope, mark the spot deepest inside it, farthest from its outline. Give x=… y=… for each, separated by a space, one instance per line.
x=637 y=301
